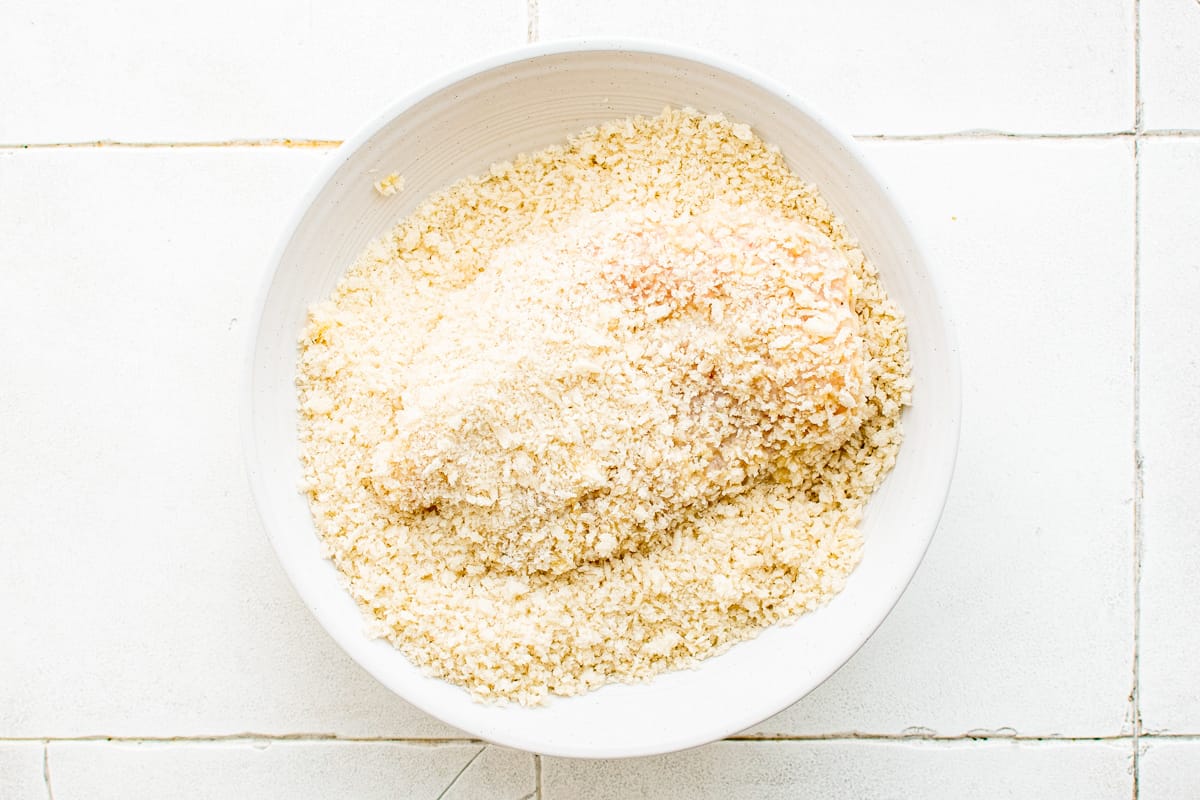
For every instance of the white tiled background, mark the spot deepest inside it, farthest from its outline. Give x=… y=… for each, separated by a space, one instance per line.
x=1049 y=151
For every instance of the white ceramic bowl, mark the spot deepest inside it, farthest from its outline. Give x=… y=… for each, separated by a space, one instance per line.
x=525 y=101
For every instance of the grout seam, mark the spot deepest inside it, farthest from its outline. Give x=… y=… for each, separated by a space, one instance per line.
x=989 y=134
x=329 y=144
x=531 y=21
x=1177 y=133
x=461 y=772
x=1138 y=115
x=46 y=770
x=848 y=736
x=1158 y=133
x=326 y=738
x=297 y=144
x=904 y=737
x=1135 y=697
x=538 y=791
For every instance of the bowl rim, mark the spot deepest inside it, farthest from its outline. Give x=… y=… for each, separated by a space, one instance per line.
x=251 y=457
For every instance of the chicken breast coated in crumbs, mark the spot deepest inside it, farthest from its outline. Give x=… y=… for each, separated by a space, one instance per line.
x=603 y=385
x=601 y=412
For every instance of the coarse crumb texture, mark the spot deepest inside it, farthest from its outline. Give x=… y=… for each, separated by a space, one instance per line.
x=393 y=183
x=601 y=412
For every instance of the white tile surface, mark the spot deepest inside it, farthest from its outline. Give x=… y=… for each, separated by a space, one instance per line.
x=140 y=595
x=495 y=772
x=1170 y=63
x=1170 y=770
x=1170 y=436
x=883 y=67
x=1021 y=616
x=855 y=770
x=140 y=70
x=21 y=771
x=288 y=770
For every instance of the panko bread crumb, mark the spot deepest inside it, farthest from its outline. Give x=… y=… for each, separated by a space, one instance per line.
x=390 y=185
x=601 y=412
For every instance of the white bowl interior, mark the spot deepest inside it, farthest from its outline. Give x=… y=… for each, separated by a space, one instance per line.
x=524 y=103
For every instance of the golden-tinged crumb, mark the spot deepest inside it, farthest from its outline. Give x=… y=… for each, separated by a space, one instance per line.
x=390 y=185
x=601 y=412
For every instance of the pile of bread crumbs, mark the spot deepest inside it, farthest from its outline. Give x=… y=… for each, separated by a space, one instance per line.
x=601 y=412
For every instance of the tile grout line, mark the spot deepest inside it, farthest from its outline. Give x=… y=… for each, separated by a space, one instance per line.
x=531 y=21
x=1135 y=697
x=461 y=772
x=1168 y=133
x=235 y=738
x=1167 y=737
x=987 y=135
x=992 y=135
x=330 y=144
x=902 y=737
x=46 y=770
x=99 y=144
x=849 y=736
x=538 y=791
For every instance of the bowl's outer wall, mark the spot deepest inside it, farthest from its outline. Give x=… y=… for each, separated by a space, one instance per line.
x=525 y=103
